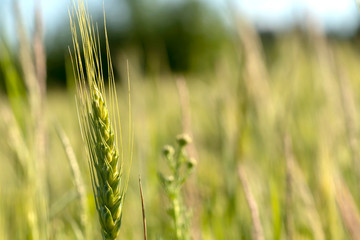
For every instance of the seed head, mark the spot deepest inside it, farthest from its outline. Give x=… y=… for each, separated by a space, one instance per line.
x=183 y=140
x=98 y=119
x=168 y=151
x=191 y=163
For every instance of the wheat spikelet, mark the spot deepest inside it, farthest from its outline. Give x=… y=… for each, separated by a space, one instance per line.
x=99 y=129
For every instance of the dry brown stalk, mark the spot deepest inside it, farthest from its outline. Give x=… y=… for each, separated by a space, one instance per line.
x=304 y=192
x=184 y=98
x=39 y=51
x=192 y=196
x=349 y=114
x=39 y=69
x=79 y=183
x=348 y=209
x=256 y=74
x=36 y=131
x=258 y=233
x=336 y=83
x=143 y=210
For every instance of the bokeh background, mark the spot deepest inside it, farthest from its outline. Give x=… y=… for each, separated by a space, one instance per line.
x=157 y=29
x=268 y=90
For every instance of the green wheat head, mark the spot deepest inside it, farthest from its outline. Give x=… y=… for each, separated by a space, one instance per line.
x=98 y=127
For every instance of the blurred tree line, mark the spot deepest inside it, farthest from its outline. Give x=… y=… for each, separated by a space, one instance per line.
x=175 y=36
x=184 y=36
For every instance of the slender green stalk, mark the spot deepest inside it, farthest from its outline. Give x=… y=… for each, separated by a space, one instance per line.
x=180 y=167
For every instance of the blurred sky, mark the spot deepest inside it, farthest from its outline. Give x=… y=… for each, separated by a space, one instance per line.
x=339 y=16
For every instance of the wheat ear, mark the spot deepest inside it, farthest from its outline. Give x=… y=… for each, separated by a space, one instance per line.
x=99 y=128
x=105 y=163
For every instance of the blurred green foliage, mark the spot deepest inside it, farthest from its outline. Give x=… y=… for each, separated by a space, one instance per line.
x=180 y=37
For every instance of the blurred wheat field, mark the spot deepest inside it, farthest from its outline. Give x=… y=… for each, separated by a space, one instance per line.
x=276 y=142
